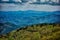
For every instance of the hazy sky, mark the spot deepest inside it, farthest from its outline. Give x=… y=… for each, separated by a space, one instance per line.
x=18 y=7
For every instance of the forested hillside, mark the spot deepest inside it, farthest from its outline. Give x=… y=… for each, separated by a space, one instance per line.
x=35 y=32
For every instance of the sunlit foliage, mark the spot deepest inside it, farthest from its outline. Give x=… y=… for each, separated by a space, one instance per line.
x=35 y=32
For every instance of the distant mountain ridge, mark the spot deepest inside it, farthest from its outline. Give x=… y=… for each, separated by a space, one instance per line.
x=13 y=20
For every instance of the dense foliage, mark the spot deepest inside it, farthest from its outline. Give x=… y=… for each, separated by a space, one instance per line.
x=35 y=32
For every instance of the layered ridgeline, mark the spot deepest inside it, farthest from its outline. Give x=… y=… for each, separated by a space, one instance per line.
x=14 y=16
x=51 y=2
x=12 y=20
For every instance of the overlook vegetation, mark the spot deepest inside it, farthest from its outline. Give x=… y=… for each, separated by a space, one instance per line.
x=35 y=32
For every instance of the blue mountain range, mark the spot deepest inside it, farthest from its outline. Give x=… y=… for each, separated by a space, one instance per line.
x=13 y=20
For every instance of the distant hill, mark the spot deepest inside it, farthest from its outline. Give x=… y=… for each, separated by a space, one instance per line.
x=13 y=20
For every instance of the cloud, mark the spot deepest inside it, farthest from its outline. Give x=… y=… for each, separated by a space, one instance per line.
x=18 y=7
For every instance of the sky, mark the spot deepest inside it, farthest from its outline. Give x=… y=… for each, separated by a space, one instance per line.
x=18 y=7
x=32 y=0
